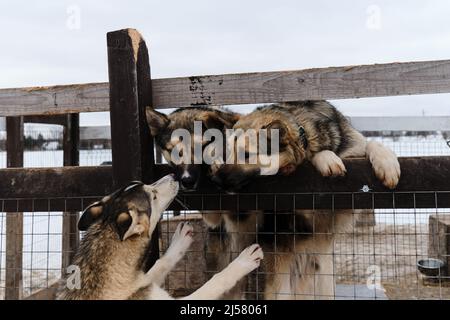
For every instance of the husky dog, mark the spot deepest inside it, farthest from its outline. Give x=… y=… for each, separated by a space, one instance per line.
x=113 y=253
x=310 y=130
x=299 y=246
x=190 y=175
x=162 y=126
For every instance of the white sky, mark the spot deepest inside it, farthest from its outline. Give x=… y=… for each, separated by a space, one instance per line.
x=43 y=45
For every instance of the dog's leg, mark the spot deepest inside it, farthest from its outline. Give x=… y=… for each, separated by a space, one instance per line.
x=328 y=164
x=384 y=162
x=212 y=219
x=181 y=241
x=158 y=293
x=219 y=284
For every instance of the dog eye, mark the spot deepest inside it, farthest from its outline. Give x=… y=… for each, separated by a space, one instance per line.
x=154 y=194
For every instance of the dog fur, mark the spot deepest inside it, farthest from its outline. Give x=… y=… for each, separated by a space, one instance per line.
x=162 y=126
x=300 y=264
x=113 y=254
x=312 y=131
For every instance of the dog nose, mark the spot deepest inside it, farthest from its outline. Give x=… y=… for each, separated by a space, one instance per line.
x=188 y=182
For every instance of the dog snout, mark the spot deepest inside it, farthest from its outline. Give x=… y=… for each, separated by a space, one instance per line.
x=188 y=176
x=188 y=181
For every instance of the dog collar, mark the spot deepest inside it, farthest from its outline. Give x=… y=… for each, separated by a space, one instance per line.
x=302 y=135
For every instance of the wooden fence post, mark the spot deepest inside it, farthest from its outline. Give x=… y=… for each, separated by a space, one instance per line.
x=14 y=220
x=130 y=92
x=70 y=235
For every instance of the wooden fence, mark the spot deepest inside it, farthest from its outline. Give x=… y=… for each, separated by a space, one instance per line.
x=130 y=90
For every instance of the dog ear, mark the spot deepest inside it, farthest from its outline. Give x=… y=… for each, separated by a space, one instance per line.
x=156 y=121
x=128 y=225
x=282 y=131
x=91 y=214
x=214 y=120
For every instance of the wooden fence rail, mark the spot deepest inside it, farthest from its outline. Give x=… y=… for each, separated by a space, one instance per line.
x=391 y=79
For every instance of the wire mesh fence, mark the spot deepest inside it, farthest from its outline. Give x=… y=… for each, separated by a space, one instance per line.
x=358 y=261
x=39 y=242
x=352 y=260
x=43 y=148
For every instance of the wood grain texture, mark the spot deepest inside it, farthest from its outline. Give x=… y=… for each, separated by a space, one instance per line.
x=14 y=221
x=59 y=119
x=130 y=156
x=13 y=256
x=62 y=182
x=89 y=97
x=391 y=79
x=439 y=239
x=130 y=93
x=323 y=83
x=71 y=146
x=46 y=293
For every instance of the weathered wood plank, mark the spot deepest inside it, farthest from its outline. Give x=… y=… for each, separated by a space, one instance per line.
x=424 y=184
x=391 y=79
x=130 y=136
x=377 y=80
x=46 y=293
x=439 y=239
x=55 y=119
x=14 y=221
x=130 y=93
x=89 y=97
x=63 y=182
x=70 y=234
x=13 y=257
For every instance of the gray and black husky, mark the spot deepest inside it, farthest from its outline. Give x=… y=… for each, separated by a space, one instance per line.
x=111 y=259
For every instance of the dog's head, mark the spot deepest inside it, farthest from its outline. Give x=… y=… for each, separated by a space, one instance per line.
x=132 y=210
x=163 y=127
x=285 y=148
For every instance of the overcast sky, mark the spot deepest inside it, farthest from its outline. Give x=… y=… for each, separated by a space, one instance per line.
x=61 y=42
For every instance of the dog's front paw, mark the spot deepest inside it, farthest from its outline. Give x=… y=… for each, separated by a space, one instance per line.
x=329 y=164
x=249 y=259
x=385 y=164
x=182 y=239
